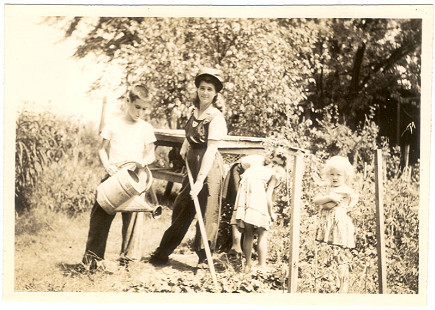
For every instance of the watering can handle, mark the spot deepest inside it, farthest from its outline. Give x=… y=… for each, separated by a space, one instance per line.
x=145 y=168
x=127 y=162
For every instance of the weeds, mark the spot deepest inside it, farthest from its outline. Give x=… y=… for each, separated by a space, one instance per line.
x=50 y=236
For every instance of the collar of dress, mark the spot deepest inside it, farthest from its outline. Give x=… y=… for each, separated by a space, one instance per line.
x=204 y=114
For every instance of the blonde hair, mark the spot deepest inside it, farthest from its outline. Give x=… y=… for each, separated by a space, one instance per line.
x=341 y=163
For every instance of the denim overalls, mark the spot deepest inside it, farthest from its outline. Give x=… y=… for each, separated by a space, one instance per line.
x=209 y=198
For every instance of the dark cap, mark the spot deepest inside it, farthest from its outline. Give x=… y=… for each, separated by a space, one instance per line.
x=214 y=73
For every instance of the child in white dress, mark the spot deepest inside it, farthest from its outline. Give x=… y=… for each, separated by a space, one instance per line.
x=335 y=225
x=253 y=210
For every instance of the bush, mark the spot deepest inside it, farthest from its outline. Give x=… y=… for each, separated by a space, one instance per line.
x=43 y=138
x=58 y=168
x=67 y=187
x=38 y=143
x=401 y=204
x=401 y=200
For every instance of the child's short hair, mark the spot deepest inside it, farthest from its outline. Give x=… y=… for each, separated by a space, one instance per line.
x=138 y=91
x=280 y=152
x=342 y=163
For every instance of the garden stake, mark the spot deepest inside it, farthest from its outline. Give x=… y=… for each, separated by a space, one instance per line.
x=295 y=223
x=310 y=165
x=382 y=269
x=202 y=230
x=315 y=258
x=365 y=277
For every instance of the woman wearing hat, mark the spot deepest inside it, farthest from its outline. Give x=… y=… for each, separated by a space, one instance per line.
x=204 y=129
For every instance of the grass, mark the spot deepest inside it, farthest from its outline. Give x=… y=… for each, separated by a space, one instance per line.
x=49 y=246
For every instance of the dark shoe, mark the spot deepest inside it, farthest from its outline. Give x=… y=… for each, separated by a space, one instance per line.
x=201 y=256
x=158 y=260
x=202 y=264
x=91 y=261
x=124 y=261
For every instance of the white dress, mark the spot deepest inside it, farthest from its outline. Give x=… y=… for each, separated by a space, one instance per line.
x=335 y=226
x=251 y=201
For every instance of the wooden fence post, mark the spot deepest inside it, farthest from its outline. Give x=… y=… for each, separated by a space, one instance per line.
x=103 y=115
x=382 y=271
x=295 y=223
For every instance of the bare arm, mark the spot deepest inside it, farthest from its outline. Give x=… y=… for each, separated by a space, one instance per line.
x=322 y=199
x=184 y=149
x=327 y=201
x=269 y=196
x=103 y=152
x=148 y=154
x=206 y=164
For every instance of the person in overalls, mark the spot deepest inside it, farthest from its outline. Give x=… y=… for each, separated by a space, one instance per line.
x=204 y=129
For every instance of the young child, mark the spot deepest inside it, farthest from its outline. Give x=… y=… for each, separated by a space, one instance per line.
x=253 y=209
x=335 y=225
x=231 y=187
x=126 y=138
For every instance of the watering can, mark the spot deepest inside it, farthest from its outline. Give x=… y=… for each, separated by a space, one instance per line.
x=124 y=191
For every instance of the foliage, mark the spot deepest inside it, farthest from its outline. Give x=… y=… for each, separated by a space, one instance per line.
x=358 y=63
x=309 y=83
x=38 y=143
x=316 y=270
x=278 y=71
x=43 y=138
x=401 y=206
x=331 y=138
x=67 y=188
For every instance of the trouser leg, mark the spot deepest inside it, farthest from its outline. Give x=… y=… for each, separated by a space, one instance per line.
x=132 y=234
x=180 y=203
x=99 y=226
x=180 y=224
x=210 y=204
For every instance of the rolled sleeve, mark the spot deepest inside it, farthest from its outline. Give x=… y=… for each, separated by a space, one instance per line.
x=149 y=134
x=217 y=129
x=106 y=133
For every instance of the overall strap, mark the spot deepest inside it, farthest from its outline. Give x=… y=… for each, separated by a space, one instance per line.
x=207 y=119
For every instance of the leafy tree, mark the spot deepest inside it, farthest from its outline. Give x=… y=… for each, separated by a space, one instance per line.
x=367 y=68
x=264 y=80
x=280 y=73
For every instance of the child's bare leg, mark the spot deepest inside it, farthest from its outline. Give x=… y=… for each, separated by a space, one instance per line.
x=343 y=275
x=248 y=240
x=342 y=270
x=236 y=236
x=262 y=247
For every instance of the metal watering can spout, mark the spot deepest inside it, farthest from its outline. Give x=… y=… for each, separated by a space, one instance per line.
x=138 y=204
x=157 y=212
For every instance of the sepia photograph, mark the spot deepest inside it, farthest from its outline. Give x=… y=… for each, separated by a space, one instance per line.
x=267 y=154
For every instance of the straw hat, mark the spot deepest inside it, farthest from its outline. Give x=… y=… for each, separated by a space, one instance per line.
x=214 y=73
